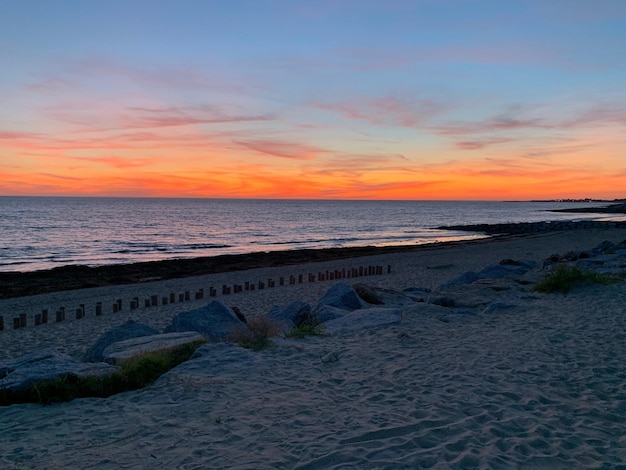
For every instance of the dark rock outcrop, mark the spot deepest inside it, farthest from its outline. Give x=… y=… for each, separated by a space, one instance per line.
x=128 y=330
x=293 y=314
x=215 y=321
x=46 y=364
x=127 y=349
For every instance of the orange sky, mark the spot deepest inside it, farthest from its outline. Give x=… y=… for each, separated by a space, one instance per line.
x=340 y=102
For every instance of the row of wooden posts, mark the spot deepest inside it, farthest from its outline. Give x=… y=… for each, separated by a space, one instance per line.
x=21 y=321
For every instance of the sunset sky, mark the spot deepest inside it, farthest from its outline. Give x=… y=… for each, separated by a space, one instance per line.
x=334 y=99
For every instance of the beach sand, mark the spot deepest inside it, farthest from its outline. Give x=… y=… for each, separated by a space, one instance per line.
x=542 y=385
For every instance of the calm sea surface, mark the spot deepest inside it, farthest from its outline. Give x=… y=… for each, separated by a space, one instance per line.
x=42 y=233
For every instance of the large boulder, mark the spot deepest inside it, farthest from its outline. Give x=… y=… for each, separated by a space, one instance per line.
x=464 y=278
x=46 y=364
x=215 y=321
x=123 y=350
x=381 y=296
x=364 y=319
x=341 y=296
x=289 y=316
x=500 y=271
x=417 y=294
x=128 y=330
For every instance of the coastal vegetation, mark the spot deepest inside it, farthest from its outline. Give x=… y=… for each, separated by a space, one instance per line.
x=133 y=374
x=258 y=331
x=563 y=279
x=310 y=327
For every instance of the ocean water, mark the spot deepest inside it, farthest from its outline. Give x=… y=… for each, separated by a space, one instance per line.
x=47 y=232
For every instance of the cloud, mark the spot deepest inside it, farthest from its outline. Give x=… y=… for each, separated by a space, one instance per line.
x=182 y=116
x=104 y=119
x=480 y=144
x=282 y=149
x=387 y=110
x=119 y=162
x=18 y=135
x=183 y=76
x=599 y=114
x=498 y=123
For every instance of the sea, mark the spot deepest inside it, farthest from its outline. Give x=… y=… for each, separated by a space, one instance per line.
x=47 y=232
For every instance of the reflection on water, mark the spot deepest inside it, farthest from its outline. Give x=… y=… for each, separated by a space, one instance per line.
x=42 y=233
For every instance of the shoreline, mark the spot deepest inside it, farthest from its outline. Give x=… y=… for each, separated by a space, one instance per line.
x=425 y=266
x=504 y=378
x=71 y=277
x=75 y=277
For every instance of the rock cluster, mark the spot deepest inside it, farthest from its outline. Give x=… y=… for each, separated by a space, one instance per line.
x=496 y=289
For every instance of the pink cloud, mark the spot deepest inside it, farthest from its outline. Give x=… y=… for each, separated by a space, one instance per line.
x=103 y=119
x=118 y=162
x=184 y=76
x=282 y=149
x=480 y=144
x=498 y=123
x=18 y=135
x=387 y=110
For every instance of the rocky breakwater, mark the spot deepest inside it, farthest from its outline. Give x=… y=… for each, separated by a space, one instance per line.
x=535 y=227
x=504 y=288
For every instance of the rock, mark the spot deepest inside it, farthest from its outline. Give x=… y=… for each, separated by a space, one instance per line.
x=122 y=350
x=290 y=315
x=363 y=319
x=341 y=296
x=465 y=278
x=46 y=364
x=590 y=263
x=500 y=271
x=215 y=321
x=603 y=247
x=418 y=294
x=324 y=313
x=380 y=296
x=128 y=330
x=530 y=264
x=367 y=293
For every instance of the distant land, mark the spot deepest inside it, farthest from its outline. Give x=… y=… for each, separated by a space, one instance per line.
x=579 y=200
x=612 y=209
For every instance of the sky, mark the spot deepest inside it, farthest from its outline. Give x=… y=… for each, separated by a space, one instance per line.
x=317 y=99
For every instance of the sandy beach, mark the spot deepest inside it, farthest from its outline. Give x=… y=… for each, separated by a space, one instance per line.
x=541 y=385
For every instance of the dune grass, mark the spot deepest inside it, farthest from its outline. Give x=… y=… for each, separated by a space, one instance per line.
x=563 y=279
x=310 y=327
x=133 y=374
x=256 y=333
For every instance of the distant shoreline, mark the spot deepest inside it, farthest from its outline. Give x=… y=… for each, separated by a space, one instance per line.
x=612 y=209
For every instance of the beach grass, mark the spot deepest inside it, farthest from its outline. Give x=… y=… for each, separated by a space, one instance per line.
x=133 y=374
x=309 y=327
x=256 y=333
x=564 y=278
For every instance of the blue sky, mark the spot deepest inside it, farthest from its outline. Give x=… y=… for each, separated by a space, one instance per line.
x=341 y=99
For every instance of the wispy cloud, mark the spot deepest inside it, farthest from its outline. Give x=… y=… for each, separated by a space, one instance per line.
x=480 y=144
x=105 y=119
x=495 y=124
x=282 y=149
x=390 y=110
x=83 y=73
x=115 y=161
